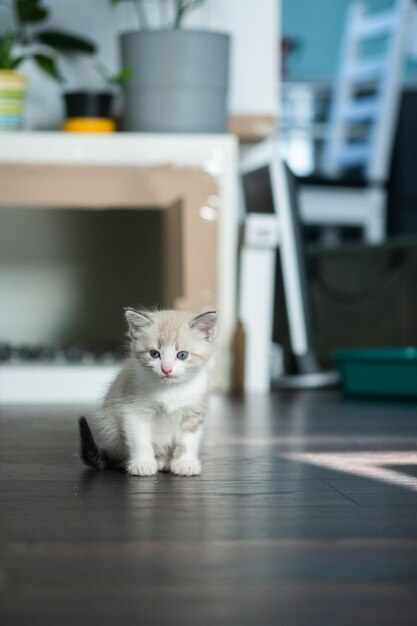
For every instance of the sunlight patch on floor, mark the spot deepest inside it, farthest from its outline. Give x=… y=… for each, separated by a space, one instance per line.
x=373 y=465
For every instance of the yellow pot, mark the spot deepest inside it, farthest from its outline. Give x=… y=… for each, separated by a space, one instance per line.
x=89 y=125
x=12 y=99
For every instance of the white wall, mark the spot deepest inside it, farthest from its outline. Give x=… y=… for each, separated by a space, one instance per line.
x=253 y=25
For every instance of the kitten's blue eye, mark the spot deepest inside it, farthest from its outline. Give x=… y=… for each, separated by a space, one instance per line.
x=155 y=354
x=182 y=355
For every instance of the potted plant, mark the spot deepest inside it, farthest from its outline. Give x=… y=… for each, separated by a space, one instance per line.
x=91 y=110
x=179 y=77
x=27 y=41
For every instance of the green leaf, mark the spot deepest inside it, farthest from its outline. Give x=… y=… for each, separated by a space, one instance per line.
x=122 y=76
x=48 y=65
x=6 y=44
x=182 y=7
x=65 y=43
x=18 y=60
x=31 y=11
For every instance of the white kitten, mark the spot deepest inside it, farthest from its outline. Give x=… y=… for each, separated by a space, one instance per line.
x=153 y=415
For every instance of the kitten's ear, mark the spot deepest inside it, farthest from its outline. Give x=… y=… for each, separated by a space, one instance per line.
x=206 y=324
x=137 y=322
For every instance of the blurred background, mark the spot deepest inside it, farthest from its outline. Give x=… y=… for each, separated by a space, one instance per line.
x=301 y=113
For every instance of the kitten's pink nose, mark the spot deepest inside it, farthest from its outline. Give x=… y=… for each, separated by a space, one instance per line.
x=167 y=370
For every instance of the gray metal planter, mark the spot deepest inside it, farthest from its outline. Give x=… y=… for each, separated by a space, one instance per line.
x=179 y=82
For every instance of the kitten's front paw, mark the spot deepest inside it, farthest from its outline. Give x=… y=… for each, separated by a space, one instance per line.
x=186 y=466
x=142 y=467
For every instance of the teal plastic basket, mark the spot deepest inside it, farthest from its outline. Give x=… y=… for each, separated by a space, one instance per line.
x=378 y=372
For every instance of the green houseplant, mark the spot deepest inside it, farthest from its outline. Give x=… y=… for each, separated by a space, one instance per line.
x=94 y=108
x=171 y=12
x=29 y=40
x=179 y=76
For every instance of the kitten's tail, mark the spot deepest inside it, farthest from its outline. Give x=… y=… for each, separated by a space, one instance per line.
x=89 y=452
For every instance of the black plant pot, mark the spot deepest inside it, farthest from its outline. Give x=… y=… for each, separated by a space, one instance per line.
x=88 y=104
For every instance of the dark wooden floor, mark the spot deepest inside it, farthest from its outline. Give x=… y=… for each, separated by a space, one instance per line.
x=305 y=514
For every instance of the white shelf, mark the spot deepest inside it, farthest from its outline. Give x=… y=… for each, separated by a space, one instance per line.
x=54 y=383
x=60 y=148
x=215 y=155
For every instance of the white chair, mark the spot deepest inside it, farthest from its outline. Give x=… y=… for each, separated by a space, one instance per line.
x=362 y=124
